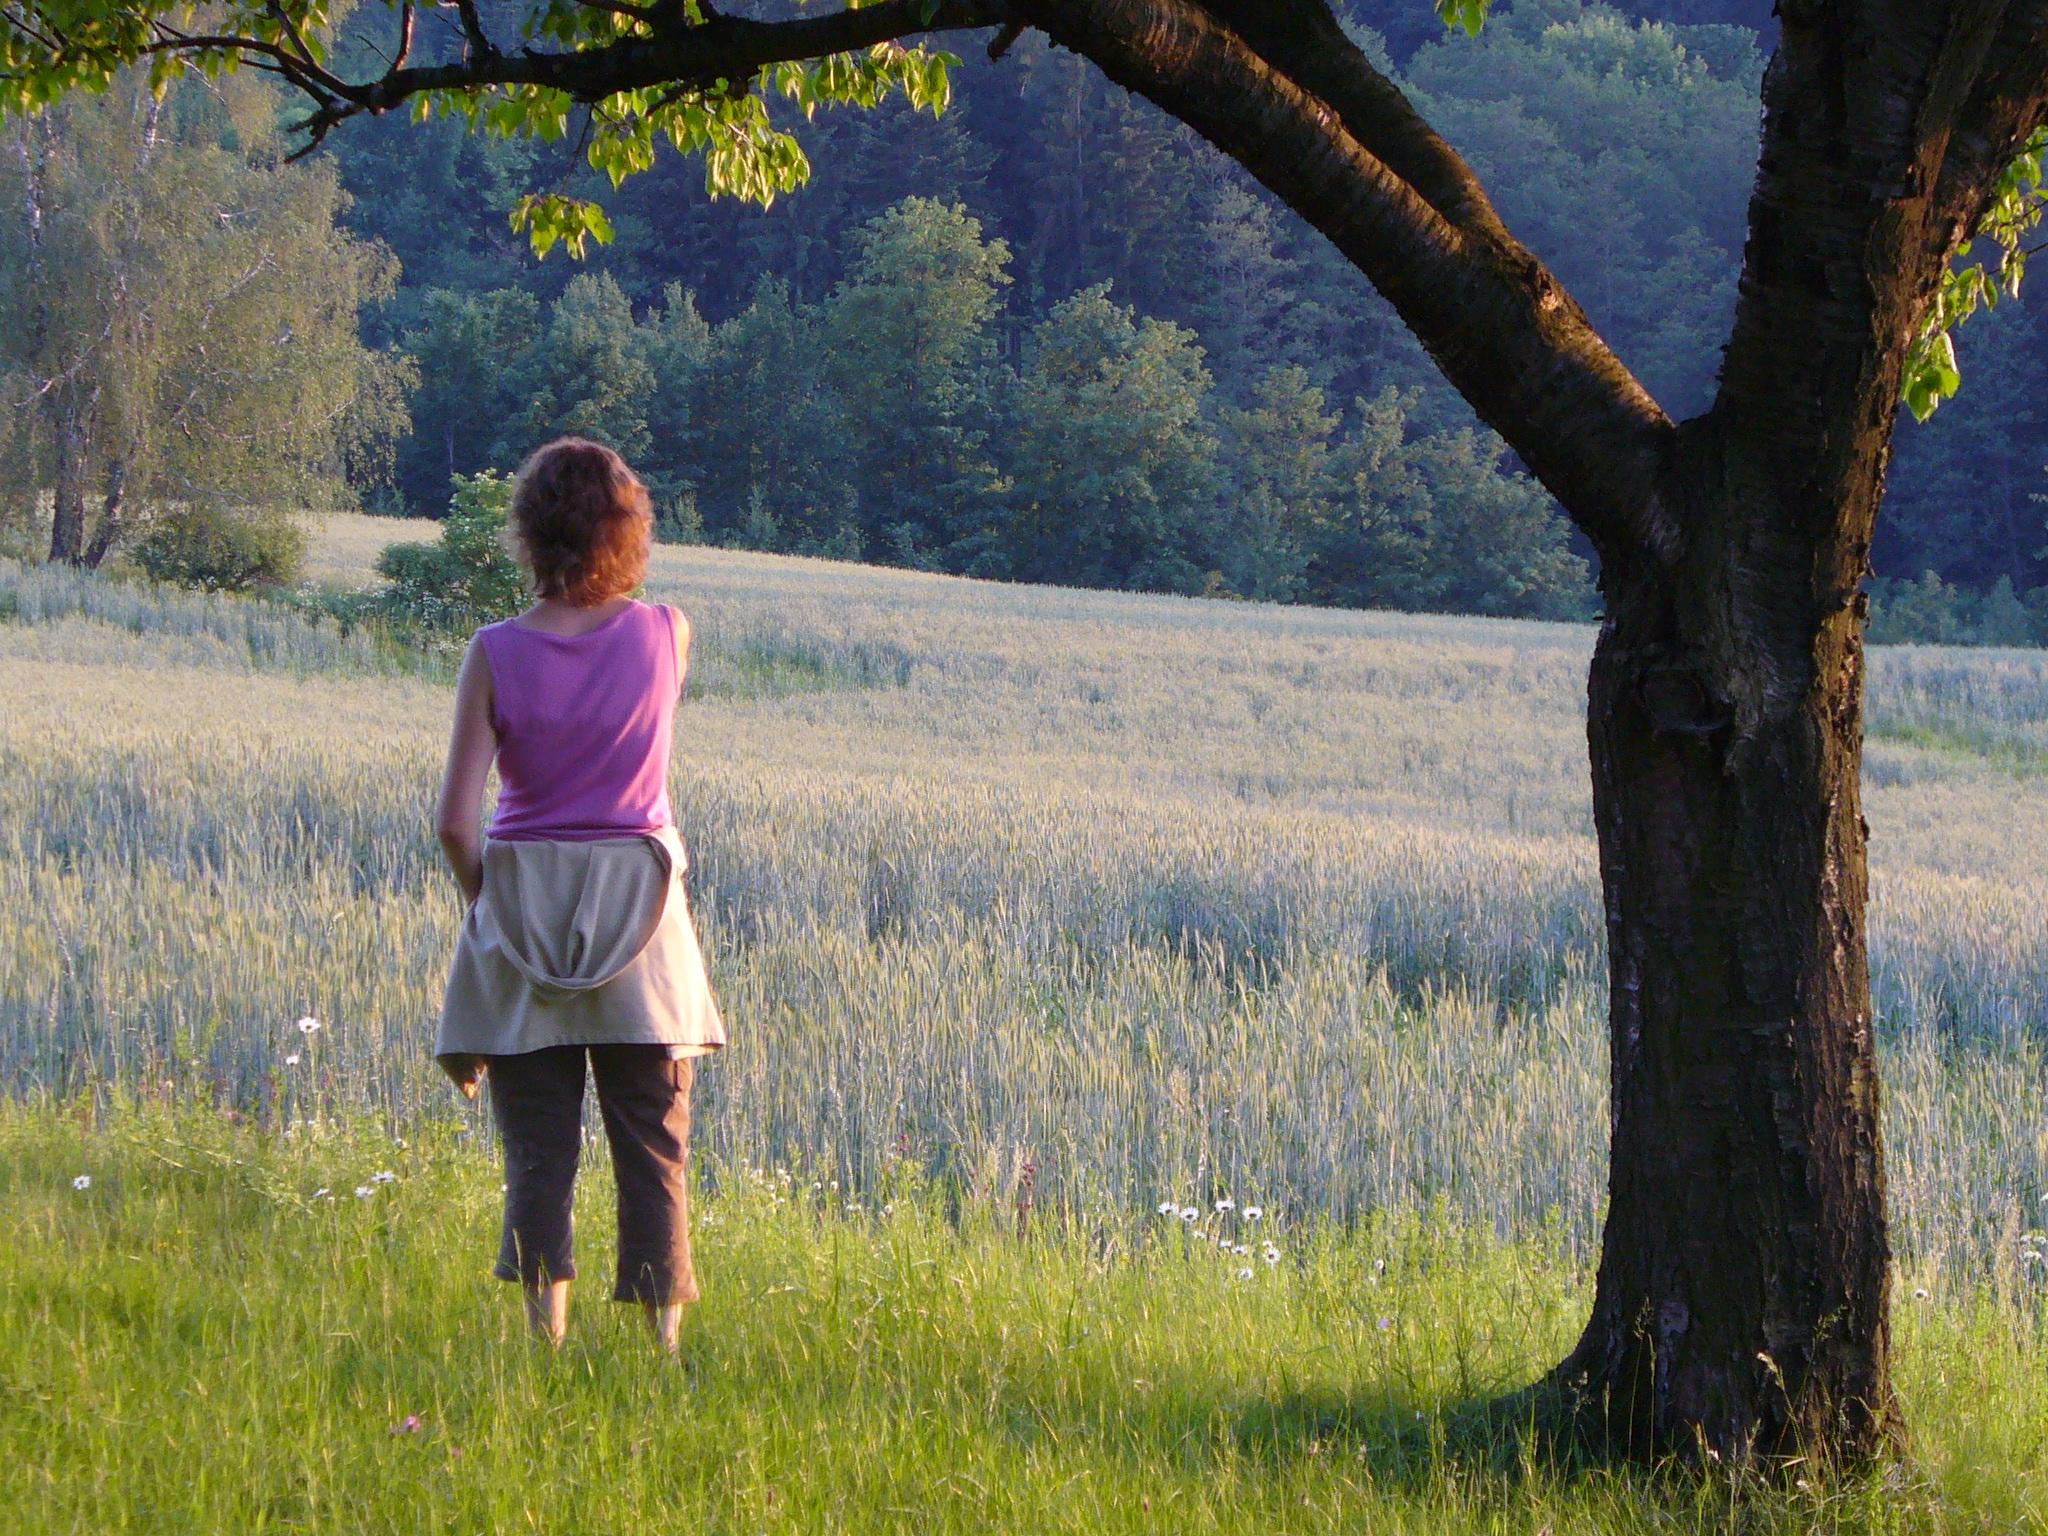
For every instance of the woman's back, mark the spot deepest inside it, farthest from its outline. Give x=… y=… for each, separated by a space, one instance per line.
x=584 y=725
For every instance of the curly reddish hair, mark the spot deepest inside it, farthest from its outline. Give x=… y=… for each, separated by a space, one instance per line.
x=582 y=522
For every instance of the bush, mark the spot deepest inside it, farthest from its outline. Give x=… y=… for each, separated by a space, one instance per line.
x=218 y=549
x=467 y=579
x=1932 y=612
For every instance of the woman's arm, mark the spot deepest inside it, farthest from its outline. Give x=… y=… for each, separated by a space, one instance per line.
x=682 y=629
x=471 y=746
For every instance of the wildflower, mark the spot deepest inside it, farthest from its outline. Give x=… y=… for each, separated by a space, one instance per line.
x=1168 y=1208
x=1189 y=1213
x=384 y=1177
x=1253 y=1212
x=411 y=1425
x=1379 y=1266
x=82 y=1182
x=398 y=1142
x=363 y=1191
x=322 y=1193
x=1242 y=1250
x=1226 y=1205
x=1920 y=1293
x=292 y=1060
x=1271 y=1254
x=1245 y=1273
x=1384 y=1324
x=309 y=1026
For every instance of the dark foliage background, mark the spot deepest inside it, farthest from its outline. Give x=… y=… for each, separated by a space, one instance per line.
x=1052 y=336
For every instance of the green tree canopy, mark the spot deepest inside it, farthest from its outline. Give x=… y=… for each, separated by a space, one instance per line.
x=183 y=315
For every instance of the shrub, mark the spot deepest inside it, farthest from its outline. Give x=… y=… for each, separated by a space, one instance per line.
x=219 y=549
x=1932 y=612
x=469 y=577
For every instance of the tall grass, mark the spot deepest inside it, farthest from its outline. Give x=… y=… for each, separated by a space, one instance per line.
x=1141 y=894
x=220 y=1333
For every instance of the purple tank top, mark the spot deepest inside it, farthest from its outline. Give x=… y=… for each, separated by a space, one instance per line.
x=584 y=725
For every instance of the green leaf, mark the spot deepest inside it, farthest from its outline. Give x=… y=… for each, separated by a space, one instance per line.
x=1469 y=14
x=552 y=219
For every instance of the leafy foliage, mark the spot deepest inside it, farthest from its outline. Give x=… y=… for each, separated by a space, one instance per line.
x=182 y=313
x=48 y=51
x=222 y=549
x=469 y=577
x=2017 y=204
x=774 y=414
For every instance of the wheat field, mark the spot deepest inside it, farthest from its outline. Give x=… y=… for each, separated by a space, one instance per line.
x=1114 y=899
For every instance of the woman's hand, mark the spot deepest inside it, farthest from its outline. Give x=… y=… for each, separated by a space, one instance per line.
x=466 y=1072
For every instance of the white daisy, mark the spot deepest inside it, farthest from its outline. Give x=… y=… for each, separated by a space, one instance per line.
x=309 y=1026
x=363 y=1191
x=385 y=1177
x=82 y=1182
x=322 y=1192
x=292 y=1060
x=1168 y=1208
x=1189 y=1213
x=1244 y=1274
x=1226 y=1204
x=1253 y=1212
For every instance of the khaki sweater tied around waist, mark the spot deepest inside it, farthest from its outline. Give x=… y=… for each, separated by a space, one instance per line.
x=579 y=943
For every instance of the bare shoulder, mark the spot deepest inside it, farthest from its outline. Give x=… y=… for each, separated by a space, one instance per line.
x=476 y=658
x=681 y=620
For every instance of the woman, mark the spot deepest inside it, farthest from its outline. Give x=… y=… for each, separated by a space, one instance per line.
x=578 y=944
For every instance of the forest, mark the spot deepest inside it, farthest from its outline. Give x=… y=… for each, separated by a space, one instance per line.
x=1048 y=335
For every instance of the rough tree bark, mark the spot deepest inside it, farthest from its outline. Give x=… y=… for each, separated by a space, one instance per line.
x=1742 y=1297
x=70 y=448
x=113 y=515
x=1741 y=1308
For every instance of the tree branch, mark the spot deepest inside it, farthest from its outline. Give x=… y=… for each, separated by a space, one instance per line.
x=720 y=48
x=478 y=46
x=2009 y=102
x=1499 y=325
x=1303 y=40
x=405 y=32
x=1277 y=85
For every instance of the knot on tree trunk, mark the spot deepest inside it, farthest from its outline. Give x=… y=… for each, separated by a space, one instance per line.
x=1678 y=700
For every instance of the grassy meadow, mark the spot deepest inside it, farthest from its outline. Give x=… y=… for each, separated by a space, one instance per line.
x=1031 y=911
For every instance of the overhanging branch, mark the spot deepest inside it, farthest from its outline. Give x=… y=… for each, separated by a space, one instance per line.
x=1503 y=330
x=671 y=51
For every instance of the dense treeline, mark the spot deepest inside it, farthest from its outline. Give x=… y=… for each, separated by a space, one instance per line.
x=1094 y=352
x=886 y=423
x=1047 y=336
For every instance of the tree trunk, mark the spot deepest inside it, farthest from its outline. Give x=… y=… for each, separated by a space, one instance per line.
x=112 y=512
x=1741 y=1303
x=67 y=524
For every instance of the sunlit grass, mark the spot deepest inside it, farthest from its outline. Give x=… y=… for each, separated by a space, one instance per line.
x=199 y=1341
x=1030 y=910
